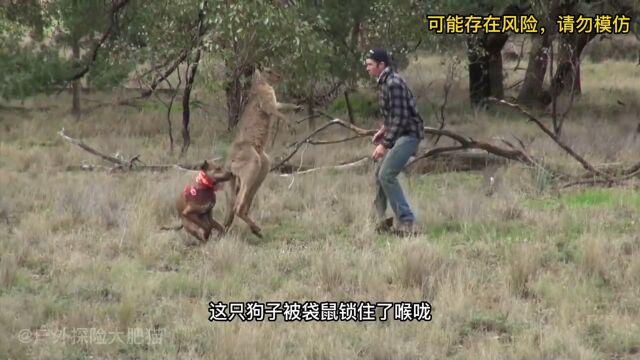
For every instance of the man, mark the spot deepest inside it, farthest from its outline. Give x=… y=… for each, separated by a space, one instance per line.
x=396 y=141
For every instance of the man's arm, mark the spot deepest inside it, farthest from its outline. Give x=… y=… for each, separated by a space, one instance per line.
x=395 y=121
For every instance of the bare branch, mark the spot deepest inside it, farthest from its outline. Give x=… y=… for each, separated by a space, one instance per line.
x=306 y=118
x=517 y=67
x=86 y=147
x=447 y=88
x=123 y=165
x=553 y=136
x=349 y=165
x=435 y=151
x=514 y=84
x=328 y=142
x=183 y=56
x=298 y=145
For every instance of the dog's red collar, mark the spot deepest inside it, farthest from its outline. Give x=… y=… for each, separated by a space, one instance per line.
x=205 y=180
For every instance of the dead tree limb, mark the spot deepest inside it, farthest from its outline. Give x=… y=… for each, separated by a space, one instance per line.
x=511 y=152
x=361 y=132
x=454 y=161
x=86 y=147
x=328 y=142
x=447 y=88
x=553 y=136
x=348 y=165
x=122 y=165
x=465 y=143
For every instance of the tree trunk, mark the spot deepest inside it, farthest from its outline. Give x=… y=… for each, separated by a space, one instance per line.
x=310 y=109
x=237 y=91
x=532 y=92
x=567 y=75
x=494 y=44
x=186 y=111
x=485 y=61
x=75 y=85
x=349 y=108
x=479 y=84
x=234 y=97
x=485 y=67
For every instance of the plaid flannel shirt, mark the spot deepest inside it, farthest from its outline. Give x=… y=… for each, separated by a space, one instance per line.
x=398 y=107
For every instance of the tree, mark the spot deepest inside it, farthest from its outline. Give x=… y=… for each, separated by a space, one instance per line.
x=250 y=34
x=344 y=31
x=485 y=60
x=567 y=73
x=27 y=67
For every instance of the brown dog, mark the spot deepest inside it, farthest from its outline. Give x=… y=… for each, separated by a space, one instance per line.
x=248 y=160
x=196 y=202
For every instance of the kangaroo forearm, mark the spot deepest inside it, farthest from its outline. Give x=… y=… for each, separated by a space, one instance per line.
x=286 y=106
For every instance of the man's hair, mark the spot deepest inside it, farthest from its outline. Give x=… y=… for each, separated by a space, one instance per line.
x=379 y=55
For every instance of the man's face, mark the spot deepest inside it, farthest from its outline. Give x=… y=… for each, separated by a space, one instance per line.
x=374 y=68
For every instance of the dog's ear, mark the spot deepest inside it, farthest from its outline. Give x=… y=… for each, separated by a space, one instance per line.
x=204 y=166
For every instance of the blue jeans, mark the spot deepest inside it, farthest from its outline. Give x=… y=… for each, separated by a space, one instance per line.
x=393 y=161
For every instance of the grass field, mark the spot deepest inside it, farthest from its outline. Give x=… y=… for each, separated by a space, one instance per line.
x=525 y=273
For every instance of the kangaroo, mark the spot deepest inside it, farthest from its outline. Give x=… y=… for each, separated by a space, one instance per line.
x=248 y=160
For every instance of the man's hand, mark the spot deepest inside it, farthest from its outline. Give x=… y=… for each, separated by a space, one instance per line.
x=378 y=152
x=377 y=136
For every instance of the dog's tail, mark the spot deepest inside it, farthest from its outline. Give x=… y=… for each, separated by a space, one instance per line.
x=171 y=228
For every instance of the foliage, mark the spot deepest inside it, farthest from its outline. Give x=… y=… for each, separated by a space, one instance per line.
x=26 y=69
x=312 y=41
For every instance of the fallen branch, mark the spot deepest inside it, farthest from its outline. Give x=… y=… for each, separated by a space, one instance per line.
x=598 y=181
x=361 y=132
x=553 y=136
x=440 y=162
x=467 y=143
x=470 y=143
x=87 y=167
x=328 y=142
x=349 y=165
x=134 y=164
x=86 y=147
